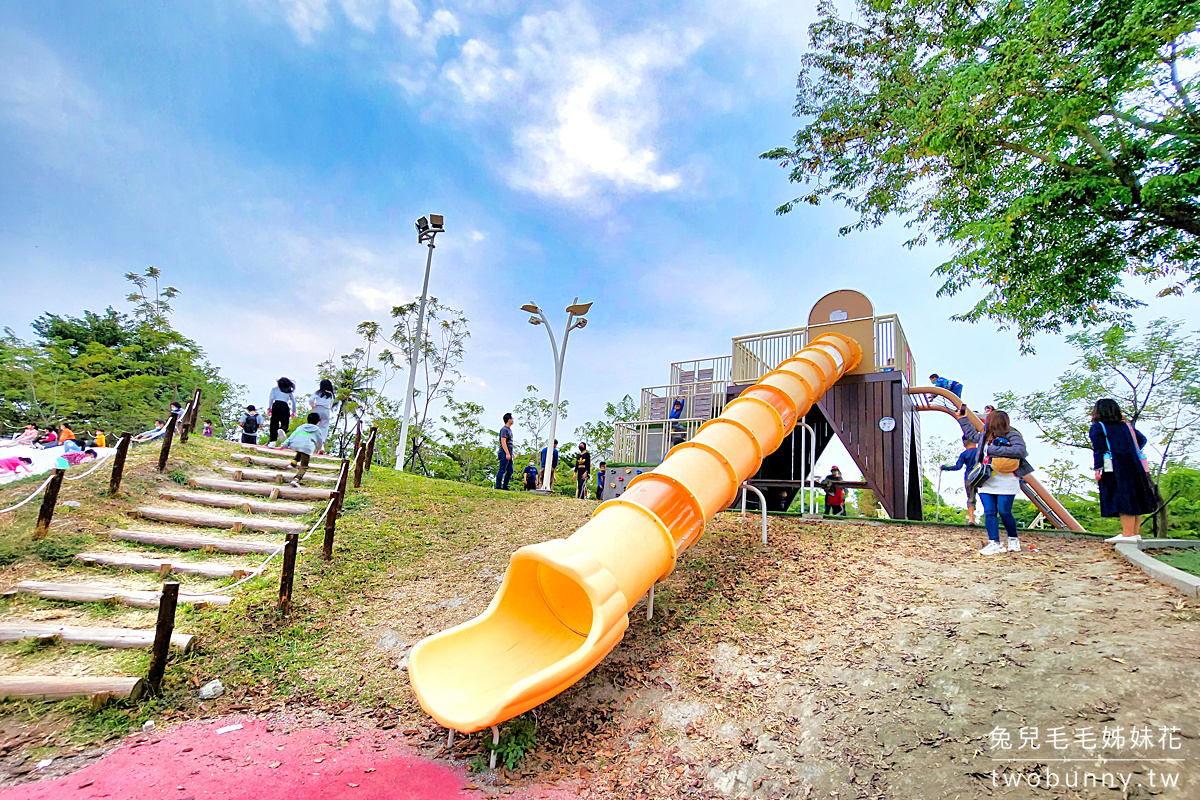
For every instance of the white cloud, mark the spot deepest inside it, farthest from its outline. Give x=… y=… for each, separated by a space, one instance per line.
x=582 y=107
x=406 y=17
x=363 y=14
x=306 y=17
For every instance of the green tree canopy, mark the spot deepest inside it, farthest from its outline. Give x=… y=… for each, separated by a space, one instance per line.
x=108 y=370
x=1053 y=144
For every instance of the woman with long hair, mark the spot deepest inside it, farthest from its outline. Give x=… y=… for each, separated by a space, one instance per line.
x=1121 y=471
x=1003 y=448
x=322 y=404
x=281 y=407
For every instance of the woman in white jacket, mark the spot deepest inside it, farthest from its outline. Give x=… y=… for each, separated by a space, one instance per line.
x=322 y=403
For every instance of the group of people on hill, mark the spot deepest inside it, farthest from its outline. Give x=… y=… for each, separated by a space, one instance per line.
x=307 y=439
x=995 y=464
x=532 y=477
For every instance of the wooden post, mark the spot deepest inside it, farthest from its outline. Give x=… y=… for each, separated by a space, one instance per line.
x=359 y=456
x=195 y=408
x=357 y=437
x=163 y=629
x=343 y=477
x=331 y=524
x=165 y=452
x=288 y=573
x=49 y=500
x=185 y=424
x=371 y=448
x=114 y=483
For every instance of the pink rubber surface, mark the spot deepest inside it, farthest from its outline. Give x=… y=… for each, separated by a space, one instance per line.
x=192 y=761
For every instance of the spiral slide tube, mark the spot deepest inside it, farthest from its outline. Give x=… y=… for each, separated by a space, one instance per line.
x=564 y=604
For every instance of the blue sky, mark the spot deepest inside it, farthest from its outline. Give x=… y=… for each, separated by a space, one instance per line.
x=270 y=157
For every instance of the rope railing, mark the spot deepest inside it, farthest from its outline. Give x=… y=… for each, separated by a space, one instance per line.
x=36 y=492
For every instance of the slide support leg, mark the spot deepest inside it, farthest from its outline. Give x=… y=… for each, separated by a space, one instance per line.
x=762 y=504
x=650 y=602
x=495 y=744
x=450 y=738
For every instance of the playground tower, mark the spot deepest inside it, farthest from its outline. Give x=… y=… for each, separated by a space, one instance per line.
x=869 y=409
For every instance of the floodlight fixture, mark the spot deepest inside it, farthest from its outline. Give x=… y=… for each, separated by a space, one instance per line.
x=535 y=320
x=531 y=308
x=422 y=225
x=436 y=222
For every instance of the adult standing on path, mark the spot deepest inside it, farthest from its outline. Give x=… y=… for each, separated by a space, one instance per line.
x=504 y=455
x=1121 y=471
x=281 y=407
x=583 y=471
x=322 y=406
x=1002 y=447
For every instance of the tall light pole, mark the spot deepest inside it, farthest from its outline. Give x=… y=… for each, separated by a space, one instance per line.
x=427 y=231
x=575 y=319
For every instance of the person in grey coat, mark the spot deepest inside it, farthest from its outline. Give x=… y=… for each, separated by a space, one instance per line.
x=1004 y=448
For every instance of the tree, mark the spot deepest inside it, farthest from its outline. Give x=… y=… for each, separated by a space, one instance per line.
x=464 y=436
x=109 y=370
x=1154 y=378
x=1053 y=144
x=601 y=435
x=533 y=414
x=443 y=346
x=149 y=307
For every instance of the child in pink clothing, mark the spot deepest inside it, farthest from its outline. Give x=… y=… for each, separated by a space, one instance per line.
x=16 y=465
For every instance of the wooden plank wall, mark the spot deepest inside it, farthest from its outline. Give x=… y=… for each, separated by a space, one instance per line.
x=854 y=406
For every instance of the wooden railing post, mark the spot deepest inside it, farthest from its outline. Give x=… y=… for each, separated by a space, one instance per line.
x=195 y=408
x=357 y=438
x=163 y=629
x=371 y=447
x=335 y=508
x=165 y=452
x=359 y=456
x=288 y=572
x=114 y=482
x=49 y=500
x=185 y=424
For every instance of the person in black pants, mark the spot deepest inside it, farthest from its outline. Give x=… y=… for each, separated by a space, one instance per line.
x=583 y=471
x=281 y=407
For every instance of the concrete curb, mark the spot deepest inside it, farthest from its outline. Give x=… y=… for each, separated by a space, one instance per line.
x=1163 y=573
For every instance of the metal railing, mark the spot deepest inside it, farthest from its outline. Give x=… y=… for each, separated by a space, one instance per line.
x=700 y=400
x=649 y=441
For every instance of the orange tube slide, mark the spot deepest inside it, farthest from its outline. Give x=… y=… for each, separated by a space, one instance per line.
x=564 y=604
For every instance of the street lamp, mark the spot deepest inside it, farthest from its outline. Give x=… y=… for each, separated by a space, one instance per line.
x=427 y=231
x=575 y=319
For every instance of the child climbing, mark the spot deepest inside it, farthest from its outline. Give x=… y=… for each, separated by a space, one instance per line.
x=305 y=440
x=947 y=383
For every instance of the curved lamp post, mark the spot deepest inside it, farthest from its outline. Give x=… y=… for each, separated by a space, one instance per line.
x=427 y=230
x=575 y=319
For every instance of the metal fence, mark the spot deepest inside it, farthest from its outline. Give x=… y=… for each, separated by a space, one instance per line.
x=758 y=353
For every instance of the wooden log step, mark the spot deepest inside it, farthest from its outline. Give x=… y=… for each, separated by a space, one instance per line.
x=250 y=487
x=285 y=452
x=99 y=593
x=240 y=503
x=52 y=687
x=214 y=519
x=190 y=542
x=271 y=476
x=162 y=566
x=103 y=637
x=282 y=463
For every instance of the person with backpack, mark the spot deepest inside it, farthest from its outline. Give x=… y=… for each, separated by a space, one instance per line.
x=835 y=493
x=305 y=440
x=281 y=408
x=583 y=471
x=250 y=422
x=995 y=472
x=1122 y=472
x=965 y=459
x=947 y=383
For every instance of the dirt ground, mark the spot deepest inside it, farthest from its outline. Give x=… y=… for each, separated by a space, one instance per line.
x=849 y=661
